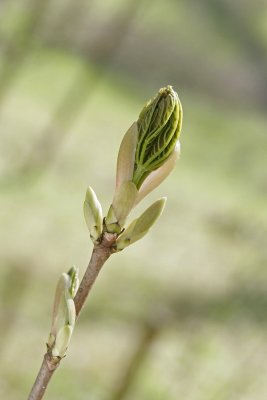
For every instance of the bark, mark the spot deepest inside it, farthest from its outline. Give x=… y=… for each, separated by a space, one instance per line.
x=101 y=253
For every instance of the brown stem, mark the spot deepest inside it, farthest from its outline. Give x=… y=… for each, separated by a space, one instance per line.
x=48 y=367
x=99 y=256
x=101 y=253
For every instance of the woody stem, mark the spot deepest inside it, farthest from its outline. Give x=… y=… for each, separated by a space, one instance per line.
x=100 y=254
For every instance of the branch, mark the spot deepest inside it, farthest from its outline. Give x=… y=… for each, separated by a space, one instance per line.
x=47 y=369
x=100 y=254
x=139 y=151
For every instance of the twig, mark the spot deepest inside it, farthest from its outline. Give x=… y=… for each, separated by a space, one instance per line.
x=100 y=254
x=143 y=152
x=48 y=367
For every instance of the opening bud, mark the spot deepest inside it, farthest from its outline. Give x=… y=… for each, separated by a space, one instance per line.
x=147 y=154
x=159 y=126
x=93 y=215
x=64 y=313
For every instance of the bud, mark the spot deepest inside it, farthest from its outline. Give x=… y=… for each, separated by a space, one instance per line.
x=159 y=127
x=147 y=154
x=156 y=177
x=64 y=313
x=140 y=226
x=93 y=215
x=121 y=206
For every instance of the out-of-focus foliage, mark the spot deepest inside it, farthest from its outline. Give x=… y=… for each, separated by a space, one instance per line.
x=182 y=313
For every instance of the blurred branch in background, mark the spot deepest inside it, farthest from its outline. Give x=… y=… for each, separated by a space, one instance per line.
x=245 y=302
x=235 y=22
x=17 y=47
x=149 y=332
x=78 y=94
x=216 y=52
x=14 y=285
x=105 y=51
x=243 y=305
x=100 y=40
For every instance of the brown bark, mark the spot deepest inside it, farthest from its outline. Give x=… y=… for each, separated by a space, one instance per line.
x=47 y=369
x=99 y=256
x=101 y=253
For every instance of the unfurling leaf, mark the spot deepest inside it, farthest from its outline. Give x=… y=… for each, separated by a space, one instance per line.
x=159 y=127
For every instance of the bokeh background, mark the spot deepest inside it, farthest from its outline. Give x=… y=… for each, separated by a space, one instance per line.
x=181 y=314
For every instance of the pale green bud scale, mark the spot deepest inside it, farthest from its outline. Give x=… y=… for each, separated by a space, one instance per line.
x=62 y=341
x=64 y=313
x=126 y=156
x=140 y=226
x=93 y=215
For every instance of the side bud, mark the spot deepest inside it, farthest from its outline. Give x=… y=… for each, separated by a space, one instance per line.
x=93 y=215
x=123 y=202
x=140 y=226
x=64 y=313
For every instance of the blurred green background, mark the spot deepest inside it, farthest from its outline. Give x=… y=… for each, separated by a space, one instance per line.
x=181 y=314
